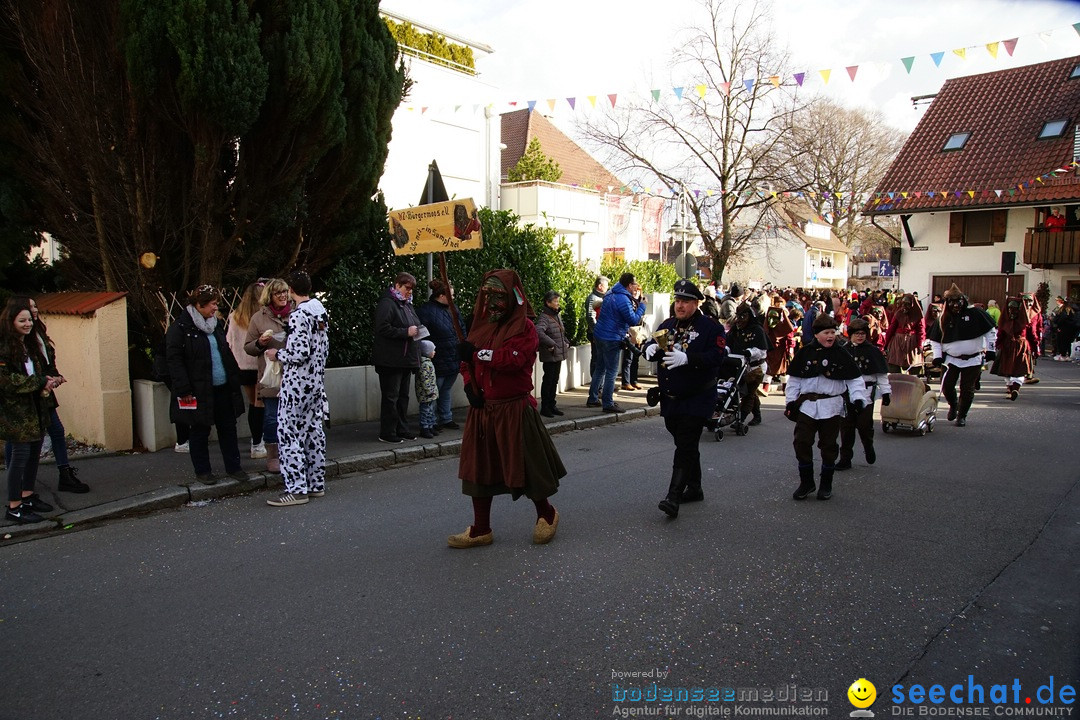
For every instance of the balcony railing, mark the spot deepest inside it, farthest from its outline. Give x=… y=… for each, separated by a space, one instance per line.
x=1043 y=248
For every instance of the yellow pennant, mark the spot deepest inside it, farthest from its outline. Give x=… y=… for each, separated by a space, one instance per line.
x=971 y=193
x=992 y=49
x=960 y=53
x=701 y=91
x=551 y=104
x=825 y=75
x=775 y=80
x=592 y=100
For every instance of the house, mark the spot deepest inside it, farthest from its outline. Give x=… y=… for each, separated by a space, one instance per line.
x=591 y=210
x=977 y=179
x=799 y=249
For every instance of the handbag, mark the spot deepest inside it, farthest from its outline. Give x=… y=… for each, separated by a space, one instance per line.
x=271 y=376
x=638 y=334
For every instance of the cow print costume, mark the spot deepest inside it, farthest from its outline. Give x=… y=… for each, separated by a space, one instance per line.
x=302 y=405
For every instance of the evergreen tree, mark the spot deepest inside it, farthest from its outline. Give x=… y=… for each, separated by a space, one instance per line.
x=534 y=165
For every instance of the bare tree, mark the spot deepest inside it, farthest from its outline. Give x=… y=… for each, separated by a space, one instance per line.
x=837 y=155
x=723 y=138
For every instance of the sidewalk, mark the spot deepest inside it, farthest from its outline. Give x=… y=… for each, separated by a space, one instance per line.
x=131 y=483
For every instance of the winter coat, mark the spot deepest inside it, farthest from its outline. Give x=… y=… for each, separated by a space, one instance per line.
x=261 y=322
x=439 y=321
x=590 y=312
x=552 y=335
x=393 y=348
x=618 y=313
x=24 y=413
x=187 y=349
x=427 y=388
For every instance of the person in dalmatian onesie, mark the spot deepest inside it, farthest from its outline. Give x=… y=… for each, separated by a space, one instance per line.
x=302 y=405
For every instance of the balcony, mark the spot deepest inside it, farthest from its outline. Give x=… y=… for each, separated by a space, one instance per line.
x=1044 y=249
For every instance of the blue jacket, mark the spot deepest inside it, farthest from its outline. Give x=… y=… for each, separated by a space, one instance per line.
x=440 y=323
x=617 y=314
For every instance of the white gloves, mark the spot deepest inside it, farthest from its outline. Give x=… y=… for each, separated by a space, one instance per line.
x=674 y=359
x=650 y=351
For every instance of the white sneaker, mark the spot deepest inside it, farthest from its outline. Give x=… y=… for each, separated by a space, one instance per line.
x=180 y=447
x=258 y=451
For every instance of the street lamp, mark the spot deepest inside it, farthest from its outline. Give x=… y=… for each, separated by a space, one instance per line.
x=680 y=228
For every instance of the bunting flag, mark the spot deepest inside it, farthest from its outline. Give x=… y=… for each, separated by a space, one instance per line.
x=1076 y=27
x=749 y=84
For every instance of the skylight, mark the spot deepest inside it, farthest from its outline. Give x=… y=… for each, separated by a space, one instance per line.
x=957 y=141
x=1053 y=129
x=1075 y=72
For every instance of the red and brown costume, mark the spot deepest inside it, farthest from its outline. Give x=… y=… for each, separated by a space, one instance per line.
x=505 y=447
x=1015 y=338
x=781 y=336
x=906 y=334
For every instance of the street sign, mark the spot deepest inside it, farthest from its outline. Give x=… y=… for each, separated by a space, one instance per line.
x=686 y=265
x=885 y=269
x=441 y=227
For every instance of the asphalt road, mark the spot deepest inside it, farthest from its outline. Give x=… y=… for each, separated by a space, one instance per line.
x=954 y=555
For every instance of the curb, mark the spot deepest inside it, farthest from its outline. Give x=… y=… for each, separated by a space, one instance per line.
x=180 y=495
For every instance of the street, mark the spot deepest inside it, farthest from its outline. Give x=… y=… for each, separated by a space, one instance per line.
x=953 y=556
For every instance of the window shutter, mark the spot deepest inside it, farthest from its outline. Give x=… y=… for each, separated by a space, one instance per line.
x=956 y=227
x=998 y=221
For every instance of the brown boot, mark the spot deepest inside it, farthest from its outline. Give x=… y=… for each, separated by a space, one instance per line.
x=272 y=458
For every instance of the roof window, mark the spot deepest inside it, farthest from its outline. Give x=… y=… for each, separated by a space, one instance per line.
x=1075 y=73
x=1053 y=129
x=957 y=141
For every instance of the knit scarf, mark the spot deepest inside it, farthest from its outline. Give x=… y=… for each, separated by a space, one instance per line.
x=280 y=313
x=207 y=325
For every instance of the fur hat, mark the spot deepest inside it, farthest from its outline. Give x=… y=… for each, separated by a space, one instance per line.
x=824 y=322
x=858 y=325
x=745 y=309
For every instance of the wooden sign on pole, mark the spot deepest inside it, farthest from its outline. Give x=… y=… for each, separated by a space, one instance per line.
x=441 y=227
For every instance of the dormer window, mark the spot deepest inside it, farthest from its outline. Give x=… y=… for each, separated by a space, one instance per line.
x=1053 y=129
x=957 y=141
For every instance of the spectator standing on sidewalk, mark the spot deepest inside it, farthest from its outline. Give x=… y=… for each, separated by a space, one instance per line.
x=236 y=335
x=437 y=317
x=592 y=305
x=205 y=383
x=620 y=311
x=505 y=448
x=553 y=346
x=265 y=336
x=396 y=356
x=303 y=409
x=69 y=478
x=427 y=389
x=25 y=401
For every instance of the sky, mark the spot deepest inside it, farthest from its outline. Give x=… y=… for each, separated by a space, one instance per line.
x=575 y=48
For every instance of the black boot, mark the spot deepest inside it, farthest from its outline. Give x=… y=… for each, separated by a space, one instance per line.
x=670 y=504
x=756 y=420
x=871 y=456
x=806 y=482
x=70 y=482
x=844 y=463
x=825 y=489
x=692 y=490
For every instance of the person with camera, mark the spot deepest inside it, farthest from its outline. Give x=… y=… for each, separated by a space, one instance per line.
x=823 y=380
x=689 y=348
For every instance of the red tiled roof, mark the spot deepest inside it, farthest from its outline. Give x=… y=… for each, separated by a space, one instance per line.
x=578 y=167
x=1004 y=111
x=75 y=303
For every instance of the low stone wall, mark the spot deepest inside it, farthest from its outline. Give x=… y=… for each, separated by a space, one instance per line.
x=353 y=393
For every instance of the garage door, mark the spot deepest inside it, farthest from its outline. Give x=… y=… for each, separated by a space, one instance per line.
x=980 y=288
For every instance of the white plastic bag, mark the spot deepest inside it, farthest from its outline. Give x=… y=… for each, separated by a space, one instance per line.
x=271 y=377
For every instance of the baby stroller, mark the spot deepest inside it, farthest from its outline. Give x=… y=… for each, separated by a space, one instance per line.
x=913 y=405
x=729 y=398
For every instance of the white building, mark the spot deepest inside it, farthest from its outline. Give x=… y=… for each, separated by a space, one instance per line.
x=977 y=179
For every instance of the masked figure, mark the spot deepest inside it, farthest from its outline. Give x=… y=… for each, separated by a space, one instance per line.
x=958 y=342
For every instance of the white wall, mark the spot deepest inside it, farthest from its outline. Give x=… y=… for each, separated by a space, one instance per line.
x=464 y=142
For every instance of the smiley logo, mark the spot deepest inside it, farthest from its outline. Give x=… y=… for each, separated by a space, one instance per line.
x=862 y=693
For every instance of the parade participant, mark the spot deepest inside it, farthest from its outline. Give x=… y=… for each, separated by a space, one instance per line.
x=1015 y=336
x=747 y=338
x=1038 y=325
x=689 y=350
x=957 y=342
x=302 y=407
x=505 y=448
x=905 y=336
x=819 y=377
x=882 y=320
x=875 y=375
x=780 y=333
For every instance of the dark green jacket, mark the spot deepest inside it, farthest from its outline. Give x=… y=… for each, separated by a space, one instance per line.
x=24 y=413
